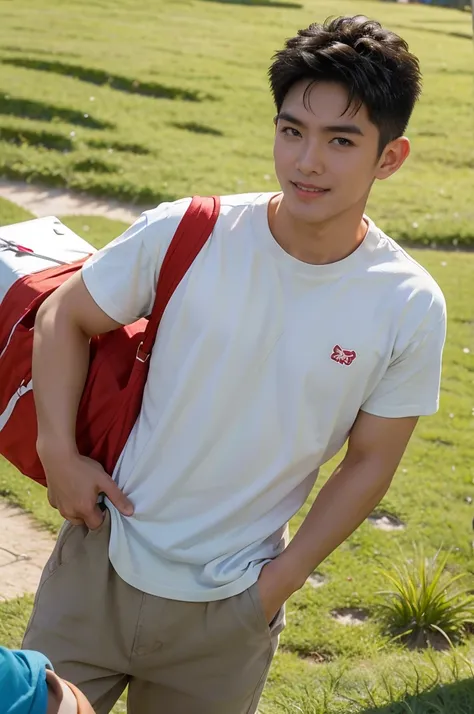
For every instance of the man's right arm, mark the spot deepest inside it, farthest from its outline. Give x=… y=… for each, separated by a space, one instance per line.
x=64 y=325
x=116 y=286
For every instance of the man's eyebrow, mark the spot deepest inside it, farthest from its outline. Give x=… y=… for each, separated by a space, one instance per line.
x=332 y=129
x=285 y=116
x=344 y=129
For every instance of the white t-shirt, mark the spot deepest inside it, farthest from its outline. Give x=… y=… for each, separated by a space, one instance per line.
x=260 y=367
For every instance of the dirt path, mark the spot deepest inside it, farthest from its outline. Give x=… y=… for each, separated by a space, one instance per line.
x=24 y=550
x=44 y=201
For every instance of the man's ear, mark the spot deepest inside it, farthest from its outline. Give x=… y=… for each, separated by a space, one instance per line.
x=393 y=157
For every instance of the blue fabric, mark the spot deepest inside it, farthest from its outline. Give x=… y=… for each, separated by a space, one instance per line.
x=23 y=688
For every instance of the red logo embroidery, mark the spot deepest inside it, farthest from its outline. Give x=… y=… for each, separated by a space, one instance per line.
x=343 y=356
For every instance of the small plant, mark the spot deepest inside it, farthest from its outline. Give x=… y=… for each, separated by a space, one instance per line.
x=425 y=606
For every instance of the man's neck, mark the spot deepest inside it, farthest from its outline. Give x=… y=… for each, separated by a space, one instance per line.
x=316 y=243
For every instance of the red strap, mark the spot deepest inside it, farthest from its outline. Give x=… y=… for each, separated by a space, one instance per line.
x=191 y=235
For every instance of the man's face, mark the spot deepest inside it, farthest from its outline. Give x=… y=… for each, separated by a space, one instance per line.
x=326 y=159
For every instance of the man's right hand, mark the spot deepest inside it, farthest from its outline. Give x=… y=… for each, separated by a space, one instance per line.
x=74 y=485
x=64 y=326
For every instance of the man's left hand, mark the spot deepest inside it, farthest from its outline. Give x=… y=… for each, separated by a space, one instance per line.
x=273 y=589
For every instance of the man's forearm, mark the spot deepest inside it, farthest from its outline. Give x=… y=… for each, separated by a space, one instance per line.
x=60 y=366
x=345 y=501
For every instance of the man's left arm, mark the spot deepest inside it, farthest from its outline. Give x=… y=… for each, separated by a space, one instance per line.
x=376 y=446
x=379 y=436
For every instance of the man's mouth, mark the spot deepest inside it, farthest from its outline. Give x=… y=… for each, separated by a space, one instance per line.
x=309 y=188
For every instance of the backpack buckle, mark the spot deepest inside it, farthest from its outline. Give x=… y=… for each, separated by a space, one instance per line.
x=142 y=356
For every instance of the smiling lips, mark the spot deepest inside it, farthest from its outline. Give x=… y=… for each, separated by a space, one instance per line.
x=309 y=188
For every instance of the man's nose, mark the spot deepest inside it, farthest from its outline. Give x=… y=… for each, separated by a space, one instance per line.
x=310 y=160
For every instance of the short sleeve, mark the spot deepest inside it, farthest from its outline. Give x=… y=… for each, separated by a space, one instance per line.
x=122 y=277
x=23 y=685
x=411 y=383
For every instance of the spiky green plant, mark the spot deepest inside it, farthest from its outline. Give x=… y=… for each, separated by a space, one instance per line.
x=426 y=606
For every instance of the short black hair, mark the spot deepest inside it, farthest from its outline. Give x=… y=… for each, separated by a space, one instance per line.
x=372 y=63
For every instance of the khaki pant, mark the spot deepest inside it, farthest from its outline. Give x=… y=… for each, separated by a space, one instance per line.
x=176 y=657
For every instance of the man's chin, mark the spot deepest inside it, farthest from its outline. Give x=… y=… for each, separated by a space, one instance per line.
x=306 y=212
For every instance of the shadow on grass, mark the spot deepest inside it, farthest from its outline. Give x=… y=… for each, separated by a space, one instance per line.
x=455 y=698
x=101 y=78
x=261 y=3
x=459 y=20
x=198 y=128
x=38 y=51
x=420 y=28
x=319 y=656
x=456 y=72
x=43 y=139
x=98 y=185
x=57 y=142
x=118 y=146
x=428 y=132
x=96 y=165
x=30 y=109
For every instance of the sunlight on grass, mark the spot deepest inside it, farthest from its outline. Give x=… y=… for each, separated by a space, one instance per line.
x=324 y=666
x=190 y=112
x=425 y=606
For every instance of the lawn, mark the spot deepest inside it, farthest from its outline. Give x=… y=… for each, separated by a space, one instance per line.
x=324 y=666
x=176 y=103
x=154 y=101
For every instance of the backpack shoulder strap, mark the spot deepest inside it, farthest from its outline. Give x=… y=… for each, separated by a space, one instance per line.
x=191 y=235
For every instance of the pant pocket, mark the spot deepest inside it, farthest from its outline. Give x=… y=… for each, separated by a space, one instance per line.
x=69 y=538
x=71 y=542
x=67 y=547
x=260 y=618
x=278 y=622
x=104 y=526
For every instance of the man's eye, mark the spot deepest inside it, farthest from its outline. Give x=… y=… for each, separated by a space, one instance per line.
x=290 y=131
x=342 y=142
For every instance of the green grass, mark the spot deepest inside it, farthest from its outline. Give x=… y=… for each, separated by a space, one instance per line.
x=180 y=105
x=94 y=229
x=322 y=665
x=153 y=101
x=10 y=213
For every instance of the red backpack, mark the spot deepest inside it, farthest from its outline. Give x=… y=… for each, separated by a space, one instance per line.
x=119 y=360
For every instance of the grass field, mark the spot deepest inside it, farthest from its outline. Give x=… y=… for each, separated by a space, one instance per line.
x=176 y=101
x=324 y=666
x=151 y=101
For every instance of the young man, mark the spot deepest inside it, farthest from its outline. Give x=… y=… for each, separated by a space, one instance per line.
x=299 y=326
x=28 y=685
